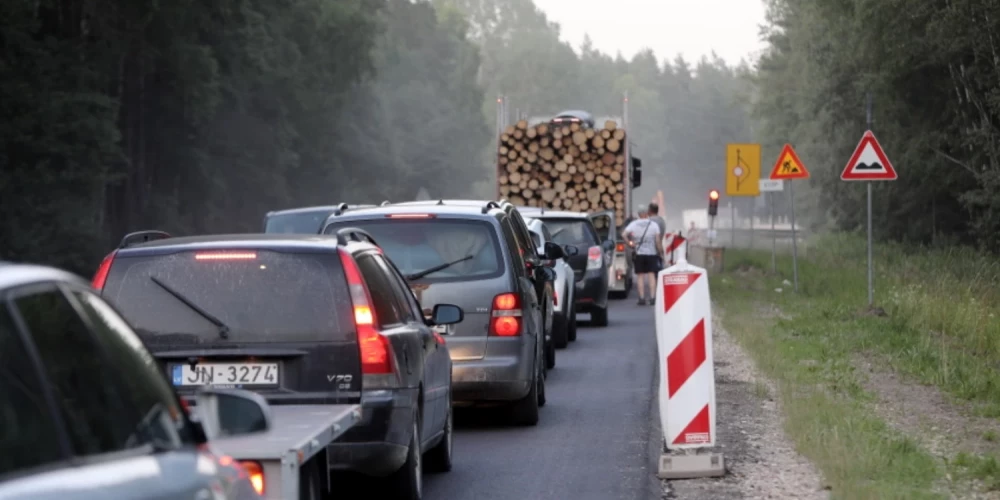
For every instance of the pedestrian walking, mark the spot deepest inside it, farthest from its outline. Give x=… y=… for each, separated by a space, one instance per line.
x=654 y=215
x=643 y=235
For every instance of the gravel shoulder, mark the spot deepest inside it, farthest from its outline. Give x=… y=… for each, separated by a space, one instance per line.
x=761 y=462
x=946 y=428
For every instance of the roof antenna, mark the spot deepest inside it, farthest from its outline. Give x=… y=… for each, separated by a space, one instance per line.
x=441 y=201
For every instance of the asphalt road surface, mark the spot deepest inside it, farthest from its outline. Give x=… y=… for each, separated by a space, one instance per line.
x=596 y=439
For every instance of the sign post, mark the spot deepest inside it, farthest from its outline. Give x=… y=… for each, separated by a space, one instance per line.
x=770 y=187
x=742 y=176
x=790 y=167
x=869 y=163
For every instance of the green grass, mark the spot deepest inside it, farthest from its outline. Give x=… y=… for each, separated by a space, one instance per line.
x=941 y=328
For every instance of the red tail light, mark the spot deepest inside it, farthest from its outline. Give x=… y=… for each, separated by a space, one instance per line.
x=101 y=276
x=620 y=247
x=555 y=298
x=256 y=473
x=506 y=315
x=594 y=257
x=375 y=349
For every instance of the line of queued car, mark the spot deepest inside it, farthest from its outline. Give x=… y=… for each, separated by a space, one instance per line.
x=408 y=309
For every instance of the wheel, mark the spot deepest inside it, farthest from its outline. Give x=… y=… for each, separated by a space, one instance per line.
x=571 y=328
x=525 y=411
x=407 y=482
x=438 y=458
x=599 y=316
x=560 y=337
x=541 y=389
x=550 y=355
x=310 y=481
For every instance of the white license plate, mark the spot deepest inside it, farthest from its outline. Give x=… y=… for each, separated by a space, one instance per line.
x=242 y=374
x=441 y=329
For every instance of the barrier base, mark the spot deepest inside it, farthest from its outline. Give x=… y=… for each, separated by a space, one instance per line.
x=691 y=466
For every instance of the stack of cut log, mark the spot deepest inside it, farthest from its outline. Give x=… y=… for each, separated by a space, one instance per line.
x=564 y=167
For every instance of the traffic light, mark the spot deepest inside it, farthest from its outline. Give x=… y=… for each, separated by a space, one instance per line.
x=713 y=202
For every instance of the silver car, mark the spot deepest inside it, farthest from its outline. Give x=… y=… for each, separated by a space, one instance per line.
x=564 y=320
x=87 y=414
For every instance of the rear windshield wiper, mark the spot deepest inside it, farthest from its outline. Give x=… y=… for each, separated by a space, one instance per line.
x=223 y=328
x=425 y=272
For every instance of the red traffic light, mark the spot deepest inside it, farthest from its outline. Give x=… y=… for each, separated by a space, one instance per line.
x=713 y=195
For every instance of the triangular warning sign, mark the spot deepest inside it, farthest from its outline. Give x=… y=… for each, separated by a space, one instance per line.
x=788 y=166
x=868 y=163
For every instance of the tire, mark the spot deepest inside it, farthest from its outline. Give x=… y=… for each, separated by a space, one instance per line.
x=438 y=458
x=560 y=335
x=311 y=482
x=599 y=316
x=550 y=355
x=407 y=483
x=571 y=328
x=525 y=411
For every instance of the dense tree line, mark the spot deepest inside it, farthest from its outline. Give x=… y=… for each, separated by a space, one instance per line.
x=933 y=71
x=199 y=117
x=192 y=117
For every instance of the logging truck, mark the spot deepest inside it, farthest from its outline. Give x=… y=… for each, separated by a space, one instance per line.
x=573 y=162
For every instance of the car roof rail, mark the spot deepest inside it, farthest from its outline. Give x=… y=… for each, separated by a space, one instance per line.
x=348 y=234
x=142 y=237
x=490 y=204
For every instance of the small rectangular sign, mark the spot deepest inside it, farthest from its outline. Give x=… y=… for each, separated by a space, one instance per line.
x=767 y=185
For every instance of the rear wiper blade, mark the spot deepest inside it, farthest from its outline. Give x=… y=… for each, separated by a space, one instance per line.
x=223 y=328
x=425 y=272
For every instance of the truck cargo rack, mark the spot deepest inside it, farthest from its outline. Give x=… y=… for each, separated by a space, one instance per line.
x=137 y=237
x=348 y=234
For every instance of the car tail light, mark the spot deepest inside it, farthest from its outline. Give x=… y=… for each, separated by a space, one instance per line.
x=594 y=258
x=225 y=256
x=256 y=474
x=505 y=320
x=555 y=298
x=620 y=247
x=410 y=216
x=101 y=276
x=376 y=352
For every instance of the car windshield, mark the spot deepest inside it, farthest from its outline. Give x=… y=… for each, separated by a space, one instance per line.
x=297 y=223
x=270 y=297
x=576 y=232
x=415 y=245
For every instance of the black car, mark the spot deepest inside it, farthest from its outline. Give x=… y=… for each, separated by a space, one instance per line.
x=303 y=220
x=85 y=414
x=478 y=254
x=300 y=320
x=592 y=263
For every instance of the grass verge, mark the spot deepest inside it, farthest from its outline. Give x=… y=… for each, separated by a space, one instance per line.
x=940 y=327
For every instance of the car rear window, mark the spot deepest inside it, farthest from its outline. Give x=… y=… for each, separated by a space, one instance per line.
x=271 y=297
x=415 y=245
x=297 y=223
x=576 y=232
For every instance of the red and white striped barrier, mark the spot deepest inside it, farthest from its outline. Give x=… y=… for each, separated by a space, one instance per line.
x=687 y=374
x=675 y=246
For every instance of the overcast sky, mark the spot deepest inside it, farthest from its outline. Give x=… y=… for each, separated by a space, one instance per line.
x=692 y=28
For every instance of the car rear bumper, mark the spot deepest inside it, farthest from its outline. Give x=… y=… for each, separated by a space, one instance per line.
x=490 y=380
x=378 y=444
x=591 y=291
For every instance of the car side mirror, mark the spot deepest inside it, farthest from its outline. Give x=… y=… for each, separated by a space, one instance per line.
x=608 y=245
x=553 y=251
x=570 y=250
x=447 y=314
x=232 y=412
